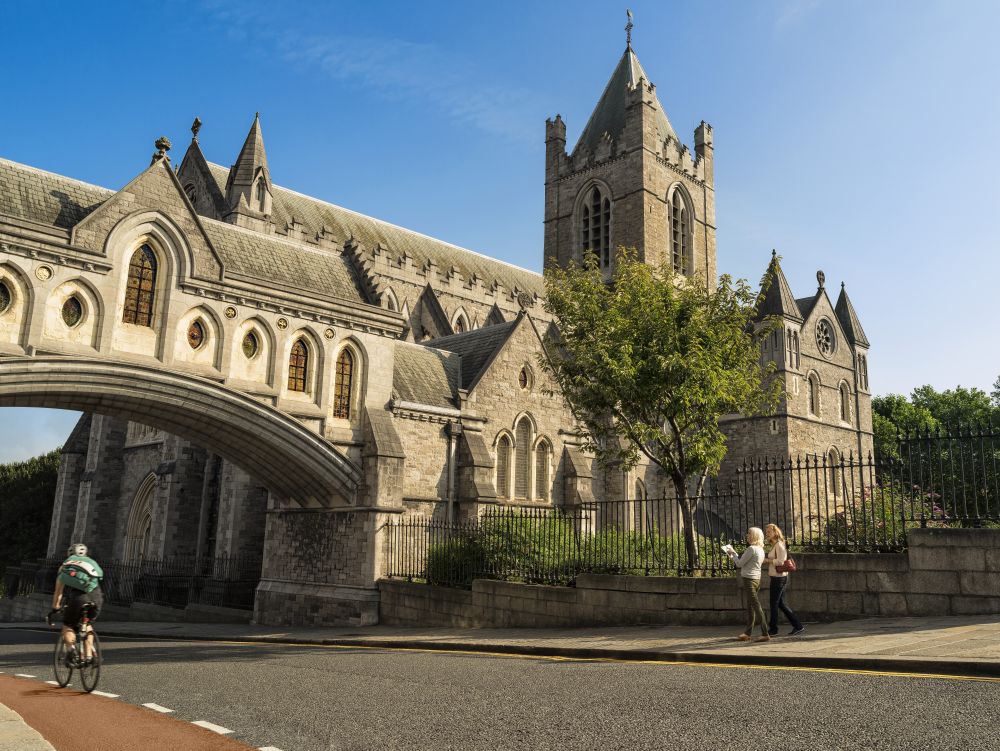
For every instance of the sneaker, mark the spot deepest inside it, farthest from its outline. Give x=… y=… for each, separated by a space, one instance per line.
x=763 y=637
x=796 y=631
x=744 y=637
x=772 y=632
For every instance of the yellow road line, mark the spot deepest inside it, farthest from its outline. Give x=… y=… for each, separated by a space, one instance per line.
x=564 y=658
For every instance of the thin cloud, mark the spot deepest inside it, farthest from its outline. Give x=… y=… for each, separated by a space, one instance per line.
x=792 y=10
x=396 y=69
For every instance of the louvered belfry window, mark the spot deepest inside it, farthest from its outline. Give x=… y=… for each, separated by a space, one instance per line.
x=596 y=226
x=141 y=288
x=342 y=385
x=298 y=366
x=679 y=231
x=503 y=467
x=522 y=457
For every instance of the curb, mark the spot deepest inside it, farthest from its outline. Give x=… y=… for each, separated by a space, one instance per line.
x=922 y=666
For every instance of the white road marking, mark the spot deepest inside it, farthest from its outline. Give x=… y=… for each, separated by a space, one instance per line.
x=54 y=683
x=23 y=675
x=103 y=693
x=210 y=726
x=157 y=708
x=269 y=748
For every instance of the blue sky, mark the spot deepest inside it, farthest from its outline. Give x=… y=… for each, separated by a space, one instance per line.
x=854 y=136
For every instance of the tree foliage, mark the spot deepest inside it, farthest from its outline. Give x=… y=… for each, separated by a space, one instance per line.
x=27 y=492
x=650 y=361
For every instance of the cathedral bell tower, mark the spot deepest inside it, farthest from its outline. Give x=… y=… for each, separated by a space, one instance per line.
x=630 y=182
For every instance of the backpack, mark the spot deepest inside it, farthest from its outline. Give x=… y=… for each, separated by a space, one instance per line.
x=81 y=572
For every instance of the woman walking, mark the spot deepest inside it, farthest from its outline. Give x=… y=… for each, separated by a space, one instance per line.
x=749 y=565
x=779 y=580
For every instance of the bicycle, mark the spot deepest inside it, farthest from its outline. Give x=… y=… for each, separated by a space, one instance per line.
x=66 y=659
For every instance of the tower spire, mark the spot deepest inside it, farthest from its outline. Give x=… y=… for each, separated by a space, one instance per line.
x=248 y=189
x=628 y=29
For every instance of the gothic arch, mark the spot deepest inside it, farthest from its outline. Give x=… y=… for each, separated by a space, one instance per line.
x=314 y=367
x=14 y=319
x=87 y=331
x=680 y=229
x=165 y=237
x=260 y=367
x=814 y=389
x=460 y=322
x=390 y=300
x=358 y=377
x=140 y=520
x=210 y=352
x=503 y=465
x=582 y=209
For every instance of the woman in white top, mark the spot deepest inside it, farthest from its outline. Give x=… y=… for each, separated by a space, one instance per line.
x=779 y=580
x=749 y=564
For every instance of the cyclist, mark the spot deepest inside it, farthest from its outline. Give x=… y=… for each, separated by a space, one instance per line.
x=79 y=584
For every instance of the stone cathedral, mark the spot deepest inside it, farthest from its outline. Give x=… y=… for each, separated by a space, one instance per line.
x=414 y=359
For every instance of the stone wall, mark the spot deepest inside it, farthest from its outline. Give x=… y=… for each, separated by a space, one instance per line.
x=944 y=572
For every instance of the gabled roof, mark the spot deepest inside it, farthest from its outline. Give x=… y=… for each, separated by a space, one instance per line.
x=425 y=375
x=343 y=224
x=778 y=299
x=806 y=304
x=609 y=114
x=849 y=320
x=476 y=348
x=200 y=164
x=34 y=195
x=45 y=197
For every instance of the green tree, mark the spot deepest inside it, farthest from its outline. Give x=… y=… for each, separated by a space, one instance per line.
x=651 y=361
x=27 y=492
x=893 y=413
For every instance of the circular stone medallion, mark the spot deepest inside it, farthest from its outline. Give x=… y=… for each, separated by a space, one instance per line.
x=44 y=273
x=230 y=312
x=282 y=323
x=329 y=333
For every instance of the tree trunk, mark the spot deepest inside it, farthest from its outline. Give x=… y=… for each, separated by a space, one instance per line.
x=687 y=507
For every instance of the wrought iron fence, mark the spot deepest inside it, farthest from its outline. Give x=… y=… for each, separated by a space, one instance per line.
x=177 y=581
x=821 y=503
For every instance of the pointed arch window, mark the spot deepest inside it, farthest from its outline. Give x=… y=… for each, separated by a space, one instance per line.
x=596 y=226
x=812 y=395
x=845 y=403
x=342 y=385
x=503 y=467
x=461 y=324
x=298 y=366
x=140 y=288
x=834 y=459
x=140 y=521
x=680 y=234
x=522 y=457
x=6 y=298
x=542 y=480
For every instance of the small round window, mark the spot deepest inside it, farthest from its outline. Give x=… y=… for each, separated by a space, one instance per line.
x=524 y=378
x=250 y=345
x=196 y=335
x=825 y=338
x=5 y=297
x=72 y=311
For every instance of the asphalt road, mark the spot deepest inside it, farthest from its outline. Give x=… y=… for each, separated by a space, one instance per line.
x=320 y=699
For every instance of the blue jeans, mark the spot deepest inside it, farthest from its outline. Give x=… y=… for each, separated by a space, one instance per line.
x=778 y=584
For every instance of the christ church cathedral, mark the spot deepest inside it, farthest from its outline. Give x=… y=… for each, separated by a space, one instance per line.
x=264 y=375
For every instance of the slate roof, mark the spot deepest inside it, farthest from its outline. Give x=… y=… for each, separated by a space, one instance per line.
x=806 y=304
x=45 y=197
x=609 y=114
x=476 y=348
x=849 y=319
x=778 y=299
x=426 y=375
x=343 y=224
x=251 y=156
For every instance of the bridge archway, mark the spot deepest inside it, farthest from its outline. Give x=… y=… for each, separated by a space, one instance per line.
x=298 y=466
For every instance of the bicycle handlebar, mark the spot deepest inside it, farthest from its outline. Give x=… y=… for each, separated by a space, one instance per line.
x=48 y=618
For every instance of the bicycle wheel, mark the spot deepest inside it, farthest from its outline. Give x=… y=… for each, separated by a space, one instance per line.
x=90 y=673
x=61 y=662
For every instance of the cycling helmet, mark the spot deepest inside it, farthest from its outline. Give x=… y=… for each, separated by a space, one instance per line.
x=77 y=548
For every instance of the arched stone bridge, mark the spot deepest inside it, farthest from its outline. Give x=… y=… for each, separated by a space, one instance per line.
x=292 y=461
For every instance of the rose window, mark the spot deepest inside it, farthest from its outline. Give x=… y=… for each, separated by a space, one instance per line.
x=824 y=337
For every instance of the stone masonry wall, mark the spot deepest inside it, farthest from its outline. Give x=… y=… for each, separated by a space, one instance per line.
x=944 y=572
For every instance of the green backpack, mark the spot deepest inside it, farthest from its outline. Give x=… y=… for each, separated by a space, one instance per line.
x=81 y=572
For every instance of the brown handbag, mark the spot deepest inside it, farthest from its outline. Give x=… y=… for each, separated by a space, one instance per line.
x=787 y=567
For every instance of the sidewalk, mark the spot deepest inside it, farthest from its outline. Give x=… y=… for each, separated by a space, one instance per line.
x=968 y=646
x=17 y=735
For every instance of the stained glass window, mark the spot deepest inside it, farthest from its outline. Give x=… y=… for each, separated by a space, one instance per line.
x=72 y=312
x=342 y=385
x=679 y=234
x=825 y=339
x=141 y=287
x=542 y=471
x=298 y=364
x=196 y=335
x=5 y=297
x=250 y=345
x=596 y=227
x=522 y=378
x=522 y=454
